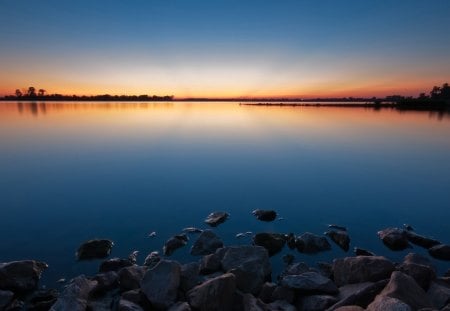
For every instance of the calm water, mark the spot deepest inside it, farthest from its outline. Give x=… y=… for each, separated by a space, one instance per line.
x=71 y=172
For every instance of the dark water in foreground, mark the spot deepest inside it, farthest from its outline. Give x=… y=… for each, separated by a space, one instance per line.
x=71 y=172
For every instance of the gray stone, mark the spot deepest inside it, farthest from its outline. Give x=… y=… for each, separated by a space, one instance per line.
x=341 y=238
x=114 y=264
x=283 y=293
x=6 y=297
x=438 y=295
x=351 y=289
x=281 y=305
x=216 y=218
x=105 y=282
x=174 y=243
x=266 y=292
x=394 y=238
x=423 y=275
x=250 y=303
x=273 y=242
x=349 y=308
x=160 y=284
x=265 y=215
x=316 y=302
x=441 y=251
x=94 y=249
x=359 y=294
x=189 y=276
x=152 y=259
x=384 y=303
x=361 y=269
x=75 y=295
x=310 y=281
x=210 y=264
x=21 y=276
x=207 y=243
x=421 y=240
x=180 y=306
x=310 y=243
x=125 y=305
x=130 y=277
x=295 y=269
x=325 y=268
x=216 y=294
x=362 y=252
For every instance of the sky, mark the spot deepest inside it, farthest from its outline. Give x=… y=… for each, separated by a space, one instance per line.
x=224 y=48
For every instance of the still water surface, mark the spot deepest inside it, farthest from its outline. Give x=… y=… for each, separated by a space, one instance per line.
x=76 y=171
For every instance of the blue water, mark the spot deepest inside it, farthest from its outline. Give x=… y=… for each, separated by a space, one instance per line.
x=76 y=171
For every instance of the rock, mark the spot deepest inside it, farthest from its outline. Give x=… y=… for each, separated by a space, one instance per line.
x=216 y=218
x=419 y=259
x=105 y=282
x=192 y=230
x=114 y=264
x=160 y=284
x=337 y=227
x=214 y=294
x=251 y=303
x=281 y=305
x=152 y=259
x=349 y=308
x=326 y=269
x=341 y=238
x=265 y=215
x=290 y=241
x=107 y=302
x=138 y=297
x=16 y=305
x=361 y=269
x=394 y=238
x=180 y=306
x=94 y=249
x=421 y=273
x=296 y=269
x=438 y=295
x=441 y=251
x=310 y=281
x=266 y=292
x=133 y=257
x=6 y=297
x=130 y=277
x=316 y=302
x=273 y=242
x=125 y=305
x=283 y=293
x=404 y=288
x=75 y=296
x=359 y=294
x=21 y=276
x=362 y=252
x=249 y=264
x=189 y=276
x=207 y=243
x=385 y=303
x=348 y=290
x=210 y=264
x=421 y=240
x=42 y=299
x=310 y=243
x=288 y=259
x=174 y=243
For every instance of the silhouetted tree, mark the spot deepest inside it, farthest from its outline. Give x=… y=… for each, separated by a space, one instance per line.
x=31 y=91
x=41 y=92
x=18 y=93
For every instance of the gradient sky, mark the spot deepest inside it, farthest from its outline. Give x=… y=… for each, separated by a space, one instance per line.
x=225 y=48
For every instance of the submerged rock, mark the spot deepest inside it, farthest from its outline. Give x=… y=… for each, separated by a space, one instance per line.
x=114 y=264
x=341 y=238
x=42 y=299
x=273 y=242
x=207 y=243
x=362 y=252
x=192 y=230
x=94 y=249
x=337 y=227
x=421 y=240
x=265 y=215
x=174 y=243
x=441 y=251
x=216 y=218
x=310 y=281
x=394 y=238
x=21 y=276
x=214 y=294
x=130 y=277
x=361 y=269
x=310 y=243
x=152 y=259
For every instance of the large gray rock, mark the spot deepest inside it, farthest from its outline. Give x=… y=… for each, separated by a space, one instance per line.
x=42 y=299
x=438 y=295
x=174 y=243
x=316 y=302
x=75 y=296
x=21 y=276
x=421 y=240
x=349 y=308
x=394 y=238
x=441 y=251
x=125 y=305
x=359 y=294
x=152 y=259
x=310 y=243
x=93 y=249
x=281 y=305
x=216 y=294
x=419 y=268
x=311 y=282
x=250 y=303
x=273 y=242
x=265 y=215
x=180 y=306
x=114 y=264
x=216 y=218
x=189 y=276
x=105 y=282
x=207 y=243
x=6 y=297
x=295 y=269
x=340 y=237
x=362 y=252
x=361 y=269
x=160 y=284
x=249 y=264
x=384 y=303
x=210 y=264
x=130 y=277
x=404 y=288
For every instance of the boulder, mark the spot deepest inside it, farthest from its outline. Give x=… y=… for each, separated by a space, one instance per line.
x=189 y=276
x=130 y=277
x=359 y=294
x=283 y=293
x=192 y=230
x=325 y=268
x=310 y=282
x=215 y=294
x=210 y=264
x=160 y=284
x=394 y=238
x=105 y=282
x=180 y=306
x=21 y=276
x=385 y=303
x=125 y=305
x=341 y=238
x=152 y=259
x=361 y=269
x=114 y=264
x=421 y=240
x=290 y=241
x=362 y=252
x=422 y=274
x=250 y=303
x=265 y=215
x=273 y=242
x=316 y=302
x=138 y=297
x=441 y=251
x=310 y=243
x=207 y=243
x=281 y=305
x=42 y=299
x=75 y=295
x=6 y=297
x=349 y=308
x=438 y=295
x=107 y=302
x=94 y=249
x=296 y=269
x=266 y=292
x=174 y=243
x=216 y=218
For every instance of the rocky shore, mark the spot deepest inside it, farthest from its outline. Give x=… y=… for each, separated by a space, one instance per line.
x=240 y=277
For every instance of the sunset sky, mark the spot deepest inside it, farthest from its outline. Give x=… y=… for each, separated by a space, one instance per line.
x=225 y=48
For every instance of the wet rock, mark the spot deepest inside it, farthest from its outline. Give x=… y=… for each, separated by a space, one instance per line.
x=94 y=249
x=21 y=276
x=273 y=242
x=105 y=282
x=296 y=269
x=207 y=243
x=290 y=241
x=349 y=308
x=419 y=268
x=326 y=269
x=189 y=276
x=404 y=288
x=180 y=306
x=316 y=302
x=138 y=297
x=125 y=305
x=438 y=295
x=310 y=281
x=210 y=264
x=192 y=230
x=250 y=303
x=75 y=296
x=114 y=264
x=281 y=305
x=107 y=302
x=288 y=259
x=249 y=264
x=441 y=251
x=337 y=227
x=174 y=243
x=266 y=292
x=362 y=252
x=310 y=243
x=160 y=284
x=359 y=294
x=341 y=238
x=283 y=293
x=348 y=290
x=421 y=240
x=265 y=215
x=361 y=269
x=216 y=218
x=16 y=305
x=130 y=277
x=133 y=257
x=6 y=297
x=214 y=294
x=152 y=259
x=384 y=303
x=42 y=300
x=394 y=238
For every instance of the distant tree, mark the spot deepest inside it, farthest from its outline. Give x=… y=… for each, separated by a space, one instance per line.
x=442 y=93
x=18 y=93
x=423 y=96
x=31 y=91
x=41 y=92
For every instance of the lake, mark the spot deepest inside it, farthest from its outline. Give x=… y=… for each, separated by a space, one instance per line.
x=76 y=171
